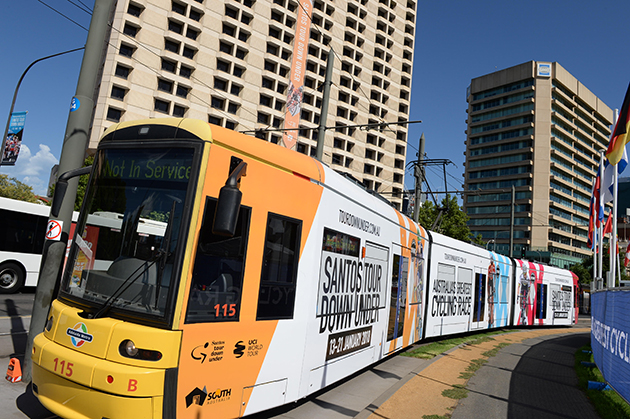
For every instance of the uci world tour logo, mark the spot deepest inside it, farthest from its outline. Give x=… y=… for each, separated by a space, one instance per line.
x=79 y=335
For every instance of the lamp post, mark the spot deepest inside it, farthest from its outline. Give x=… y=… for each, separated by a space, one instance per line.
x=490 y=241
x=6 y=130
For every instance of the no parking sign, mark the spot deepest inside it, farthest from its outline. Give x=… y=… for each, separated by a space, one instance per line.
x=53 y=230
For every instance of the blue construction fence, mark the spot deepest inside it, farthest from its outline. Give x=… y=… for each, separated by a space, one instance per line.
x=610 y=332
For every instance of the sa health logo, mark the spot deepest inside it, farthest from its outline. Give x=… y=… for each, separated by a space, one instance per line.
x=79 y=334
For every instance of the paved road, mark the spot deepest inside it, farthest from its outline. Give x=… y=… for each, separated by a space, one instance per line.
x=532 y=379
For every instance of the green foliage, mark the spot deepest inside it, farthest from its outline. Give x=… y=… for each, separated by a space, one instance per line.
x=12 y=188
x=453 y=221
x=584 y=269
x=81 y=187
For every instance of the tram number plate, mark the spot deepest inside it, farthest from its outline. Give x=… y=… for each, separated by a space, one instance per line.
x=63 y=367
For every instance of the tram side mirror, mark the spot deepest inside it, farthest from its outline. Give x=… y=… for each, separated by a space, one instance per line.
x=62 y=186
x=229 y=204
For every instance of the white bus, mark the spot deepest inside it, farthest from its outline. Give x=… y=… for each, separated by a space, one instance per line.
x=23 y=233
x=22 y=236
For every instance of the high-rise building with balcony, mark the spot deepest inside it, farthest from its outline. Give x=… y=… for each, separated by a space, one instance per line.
x=230 y=63
x=536 y=128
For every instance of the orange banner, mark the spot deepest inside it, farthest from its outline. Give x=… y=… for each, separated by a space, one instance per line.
x=298 y=67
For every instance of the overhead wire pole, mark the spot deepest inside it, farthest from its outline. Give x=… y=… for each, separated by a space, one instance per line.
x=321 y=134
x=419 y=175
x=72 y=156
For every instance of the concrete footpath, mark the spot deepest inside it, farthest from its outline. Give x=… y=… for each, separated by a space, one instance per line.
x=531 y=375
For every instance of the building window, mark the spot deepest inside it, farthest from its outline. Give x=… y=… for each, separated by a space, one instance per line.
x=263 y=118
x=241 y=53
x=114 y=114
x=178 y=8
x=130 y=30
x=217 y=103
x=134 y=10
x=182 y=91
x=126 y=50
x=165 y=86
x=179 y=111
x=189 y=52
x=185 y=71
x=220 y=84
x=122 y=71
x=238 y=71
x=176 y=27
x=235 y=89
x=195 y=15
x=118 y=93
x=223 y=66
x=168 y=65
x=161 y=106
x=171 y=46
x=192 y=33
x=232 y=108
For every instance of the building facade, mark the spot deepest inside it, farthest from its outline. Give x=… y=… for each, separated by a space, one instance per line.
x=536 y=128
x=229 y=63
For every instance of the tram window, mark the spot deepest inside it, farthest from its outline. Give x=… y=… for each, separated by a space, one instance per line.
x=217 y=280
x=541 y=301
x=276 y=298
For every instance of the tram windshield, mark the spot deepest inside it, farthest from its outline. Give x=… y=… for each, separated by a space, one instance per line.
x=123 y=251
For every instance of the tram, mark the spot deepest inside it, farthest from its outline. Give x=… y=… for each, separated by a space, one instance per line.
x=267 y=276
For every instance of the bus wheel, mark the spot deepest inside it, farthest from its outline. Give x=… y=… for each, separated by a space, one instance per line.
x=11 y=278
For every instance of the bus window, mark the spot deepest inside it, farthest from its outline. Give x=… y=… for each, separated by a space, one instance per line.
x=217 y=281
x=276 y=297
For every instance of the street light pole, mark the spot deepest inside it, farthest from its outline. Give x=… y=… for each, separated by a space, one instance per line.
x=6 y=130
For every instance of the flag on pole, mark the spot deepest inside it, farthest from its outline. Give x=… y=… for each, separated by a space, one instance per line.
x=626 y=261
x=591 y=222
x=608 y=226
x=619 y=137
x=609 y=175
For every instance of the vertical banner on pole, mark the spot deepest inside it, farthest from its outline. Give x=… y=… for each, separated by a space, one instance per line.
x=13 y=142
x=298 y=67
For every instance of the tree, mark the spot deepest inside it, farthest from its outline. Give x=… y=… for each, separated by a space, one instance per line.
x=12 y=188
x=584 y=269
x=82 y=186
x=453 y=221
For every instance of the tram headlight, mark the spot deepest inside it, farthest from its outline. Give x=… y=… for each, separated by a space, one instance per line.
x=130 y=348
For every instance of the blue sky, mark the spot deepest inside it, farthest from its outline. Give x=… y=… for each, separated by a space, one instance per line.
x=455 y=42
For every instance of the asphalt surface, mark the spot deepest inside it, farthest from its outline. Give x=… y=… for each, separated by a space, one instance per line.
x=529 y=378
x=532 y=379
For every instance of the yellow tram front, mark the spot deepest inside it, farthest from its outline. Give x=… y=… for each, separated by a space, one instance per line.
x=110 y=348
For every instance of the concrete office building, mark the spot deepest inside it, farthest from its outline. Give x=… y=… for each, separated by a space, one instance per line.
x=537 y=128
x=229 y=63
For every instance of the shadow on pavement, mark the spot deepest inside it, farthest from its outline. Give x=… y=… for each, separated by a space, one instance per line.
x=18 y=332
x=31 y=407
x=544 y=382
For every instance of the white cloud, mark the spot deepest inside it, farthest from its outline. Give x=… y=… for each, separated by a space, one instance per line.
x=32 y=169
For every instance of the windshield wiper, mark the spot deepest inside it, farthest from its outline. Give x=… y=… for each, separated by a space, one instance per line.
x=126 y=284
x=161 y=257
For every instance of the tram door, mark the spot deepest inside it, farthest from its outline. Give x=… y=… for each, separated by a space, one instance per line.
x=479 y=299
x=398 y=297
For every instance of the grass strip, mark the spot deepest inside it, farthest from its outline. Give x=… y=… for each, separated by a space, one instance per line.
x=433 y=349
x=608 y=404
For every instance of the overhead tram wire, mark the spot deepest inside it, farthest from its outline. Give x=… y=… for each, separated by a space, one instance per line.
x=66 y=17
x=339 y=58
x=228 y=116
x=81 y=7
